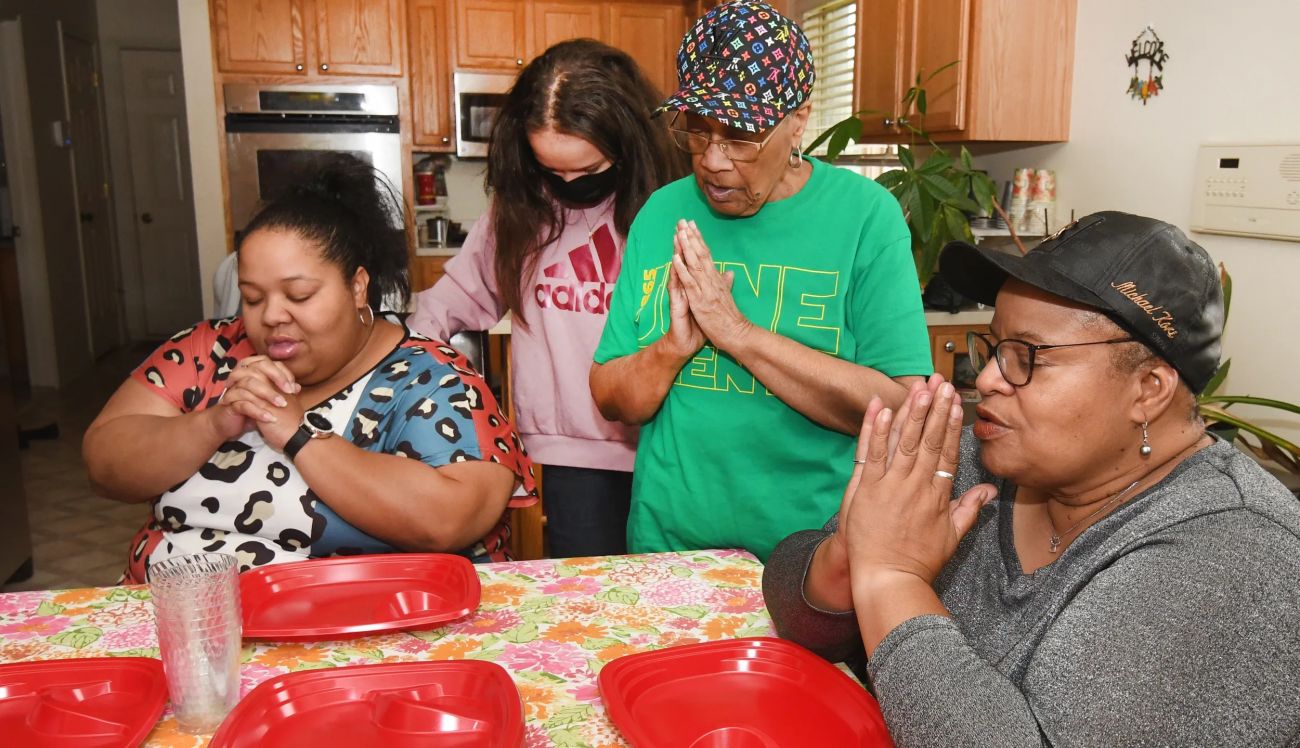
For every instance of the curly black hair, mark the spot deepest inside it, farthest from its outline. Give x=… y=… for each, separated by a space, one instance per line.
x=349 y=209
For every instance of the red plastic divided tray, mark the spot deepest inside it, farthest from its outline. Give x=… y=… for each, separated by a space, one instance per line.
x=335 y=598
x=451 y=704
x=95 y=702
x=739 y=693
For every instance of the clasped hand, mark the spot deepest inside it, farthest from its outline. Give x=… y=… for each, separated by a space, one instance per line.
x=263 y=394
x=700 y=302
x=897 y=516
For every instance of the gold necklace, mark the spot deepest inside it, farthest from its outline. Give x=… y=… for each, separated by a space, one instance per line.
x=1055 y=542
x=591 y=232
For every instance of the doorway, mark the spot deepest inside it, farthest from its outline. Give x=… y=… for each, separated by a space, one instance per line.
x=154 y=97
x=99 y=265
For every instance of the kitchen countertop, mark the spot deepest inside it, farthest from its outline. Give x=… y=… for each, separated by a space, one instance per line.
x=437 y=251
x=973 y=316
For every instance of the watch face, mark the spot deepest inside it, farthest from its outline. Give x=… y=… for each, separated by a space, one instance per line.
x=317 y=422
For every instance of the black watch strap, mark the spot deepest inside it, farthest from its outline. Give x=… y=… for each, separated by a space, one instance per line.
x=297 y=442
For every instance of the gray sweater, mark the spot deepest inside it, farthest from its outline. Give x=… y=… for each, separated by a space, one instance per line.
x=1174 y=621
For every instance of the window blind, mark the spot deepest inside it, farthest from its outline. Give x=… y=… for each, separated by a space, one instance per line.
x=831 y=29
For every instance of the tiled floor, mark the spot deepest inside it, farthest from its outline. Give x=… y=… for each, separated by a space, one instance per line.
x=78 y=539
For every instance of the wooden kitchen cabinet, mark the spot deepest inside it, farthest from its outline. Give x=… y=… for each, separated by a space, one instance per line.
x=260 y=37
x=651 y=34
x=363 y=38
x=491 y=34
x=557 y=21
x=425 y=271
x=309 y=38
x=1011 y=80
x=431 y=118
x=949 y=352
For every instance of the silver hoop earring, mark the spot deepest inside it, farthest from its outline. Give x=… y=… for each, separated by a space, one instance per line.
x=362 y=318
x=796 y=159
x=1145 y=449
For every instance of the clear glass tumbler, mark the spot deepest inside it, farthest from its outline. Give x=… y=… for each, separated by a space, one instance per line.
x=196 y=607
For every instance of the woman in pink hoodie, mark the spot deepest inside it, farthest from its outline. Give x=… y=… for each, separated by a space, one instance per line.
x=574 y=155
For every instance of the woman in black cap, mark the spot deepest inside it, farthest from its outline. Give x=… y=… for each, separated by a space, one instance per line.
x=763 y=302
x=1110 y=574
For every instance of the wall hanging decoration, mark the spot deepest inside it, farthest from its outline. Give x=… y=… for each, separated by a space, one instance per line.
x=1147 y=48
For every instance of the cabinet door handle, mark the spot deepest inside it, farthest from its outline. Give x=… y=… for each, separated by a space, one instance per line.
x=950 y=346
x=297 y=67
x=519 y=61
x=324 y=66
x=900 y=122
x=446 y=140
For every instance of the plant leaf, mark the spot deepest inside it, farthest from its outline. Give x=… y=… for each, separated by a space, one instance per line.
x=1226 y=281
x=920 y=101
x=840 y=140
x=939 y=187
x=936 y=162
x=958 y=226
x=1251 y=400
x=852 y=124
x=1216 y=381
x=1224 y=417
x=891 y=179
x=938 y=70
x=983 y=189
x=1287 y=461
x=906 y=158
x=966 y=162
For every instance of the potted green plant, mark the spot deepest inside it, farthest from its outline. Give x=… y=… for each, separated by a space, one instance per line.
x=1214 y=407
x=936 y=193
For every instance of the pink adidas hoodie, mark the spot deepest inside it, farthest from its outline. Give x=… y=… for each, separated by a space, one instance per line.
x=565 y=303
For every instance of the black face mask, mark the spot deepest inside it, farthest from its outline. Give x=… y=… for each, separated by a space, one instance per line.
x=588 y=189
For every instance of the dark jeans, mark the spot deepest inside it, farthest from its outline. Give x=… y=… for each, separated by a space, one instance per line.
x=586 y=511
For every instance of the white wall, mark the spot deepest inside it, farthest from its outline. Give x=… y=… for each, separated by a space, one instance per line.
x=1231 y=77
x=129 y=24
x=205 y=144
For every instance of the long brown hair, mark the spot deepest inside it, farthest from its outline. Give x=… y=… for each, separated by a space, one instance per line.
x=589 y=90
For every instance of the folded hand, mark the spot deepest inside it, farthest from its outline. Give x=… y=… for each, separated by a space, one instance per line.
x=263 y=393
x=707 y=291
x=901 y=517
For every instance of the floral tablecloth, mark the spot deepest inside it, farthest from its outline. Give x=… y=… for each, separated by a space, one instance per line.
x=553 y=624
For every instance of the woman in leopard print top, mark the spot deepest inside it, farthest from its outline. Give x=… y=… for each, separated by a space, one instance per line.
x=223 y=429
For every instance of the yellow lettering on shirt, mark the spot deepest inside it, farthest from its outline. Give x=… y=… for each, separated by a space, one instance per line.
x=795 y=302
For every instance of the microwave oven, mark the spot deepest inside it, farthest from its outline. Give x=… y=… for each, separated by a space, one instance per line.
x=478 y=99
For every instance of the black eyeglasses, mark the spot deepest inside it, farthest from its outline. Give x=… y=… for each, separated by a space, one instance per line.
x=1015 y=357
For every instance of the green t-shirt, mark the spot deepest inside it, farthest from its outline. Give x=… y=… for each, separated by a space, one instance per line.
x=724 y=463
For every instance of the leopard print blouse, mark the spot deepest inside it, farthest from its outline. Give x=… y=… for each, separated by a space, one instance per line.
x=422 y=401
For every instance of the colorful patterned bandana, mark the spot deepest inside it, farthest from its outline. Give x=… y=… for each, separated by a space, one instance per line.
x=744 y=65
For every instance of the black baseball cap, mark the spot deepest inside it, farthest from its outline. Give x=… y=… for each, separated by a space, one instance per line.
x=1144 y=274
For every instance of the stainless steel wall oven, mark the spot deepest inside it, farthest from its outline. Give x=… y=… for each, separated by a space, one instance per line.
x=273 y=132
